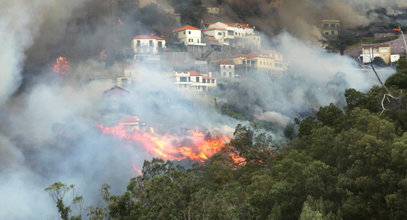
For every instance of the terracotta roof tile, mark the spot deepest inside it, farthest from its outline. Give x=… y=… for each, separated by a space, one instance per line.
x=187 y=27
x=148 y=37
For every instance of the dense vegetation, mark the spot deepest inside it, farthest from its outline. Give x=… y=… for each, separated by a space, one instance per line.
x=344 y=164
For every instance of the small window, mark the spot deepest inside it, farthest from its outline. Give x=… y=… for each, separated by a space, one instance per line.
x=138 y=43
x=189 y=32
x=197 y=79
x=151 y=43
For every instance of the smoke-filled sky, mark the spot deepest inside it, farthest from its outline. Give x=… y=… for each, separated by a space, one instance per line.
x=48 y=130
x=302 y=18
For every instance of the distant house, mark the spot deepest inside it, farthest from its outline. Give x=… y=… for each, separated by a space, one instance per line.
x=268 y=61
x=189 y=36
x=127 y=78
x=236 y=34
x=369 y=52
x=402 y=4
x=132 y=124
x=226 y=70
x=194 y=81
x=330 y=28
x=148 y=47
x=218 y=35
x=116 y=91
x=234 y=30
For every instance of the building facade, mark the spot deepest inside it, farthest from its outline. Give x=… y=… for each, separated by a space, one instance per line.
x=330 y=28
x=226 y=70
x=234 y=34
x=189 y=36
x=369 y=52
x=148 y=47
x=194 y=81
x=268 y=61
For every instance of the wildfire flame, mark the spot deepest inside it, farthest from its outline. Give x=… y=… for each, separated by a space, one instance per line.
x=194 y=146
x=61 y=65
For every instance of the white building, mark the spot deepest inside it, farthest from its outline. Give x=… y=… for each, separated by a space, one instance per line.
x=191 y=80
x=227 y=70
x=240 y=35
x=148 y=47
x=127 y=78
x=234 y=30
x=219 y=34
x=189 y=36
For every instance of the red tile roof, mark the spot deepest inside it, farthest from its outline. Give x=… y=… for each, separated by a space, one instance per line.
x=215 y=29
x=224 y=63
x=116 y=90
x=238 y=24
x=212 y=38
x=187 y=27
x=130 y=119
x=194 y=73
x=251 y=55
x=148 y=37
x=248 y=55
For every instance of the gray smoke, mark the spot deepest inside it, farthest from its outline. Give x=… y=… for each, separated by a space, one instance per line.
x=48 y=131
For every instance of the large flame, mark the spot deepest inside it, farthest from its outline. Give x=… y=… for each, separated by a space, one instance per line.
x=193 y=146
x=61 y=65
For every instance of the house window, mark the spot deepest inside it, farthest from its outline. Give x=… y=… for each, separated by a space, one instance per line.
x=160 y=44
x=230 y=67
x=197 y=79
x=220 y=33
x=138 y=43
x=151 y=43
x=189 y=32
x=183 y=79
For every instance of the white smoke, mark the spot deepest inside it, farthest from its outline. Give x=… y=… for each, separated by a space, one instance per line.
x=48 y=133
x=20 y=22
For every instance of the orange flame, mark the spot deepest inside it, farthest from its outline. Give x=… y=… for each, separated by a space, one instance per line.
x=61 y=65
x=102 y=54
x=195 y=146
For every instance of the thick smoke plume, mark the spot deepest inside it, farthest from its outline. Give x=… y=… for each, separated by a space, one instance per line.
x=48 y=130
x=303 y=18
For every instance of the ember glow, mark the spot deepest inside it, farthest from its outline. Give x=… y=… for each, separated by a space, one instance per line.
x=61 y=65
x=193 y=146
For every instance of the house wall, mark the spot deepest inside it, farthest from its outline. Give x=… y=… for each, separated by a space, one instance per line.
x=191 y=37
x=369 y=53
x=227 y=71
x=147 y=46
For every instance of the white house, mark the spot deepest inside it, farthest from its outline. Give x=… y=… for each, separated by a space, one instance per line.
x=219 y=34
x=189 y=36
x=233 y=29
x=147 y=46
x=227 y=70
x=127 y=78
x=240 y=35
x=191 y=80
